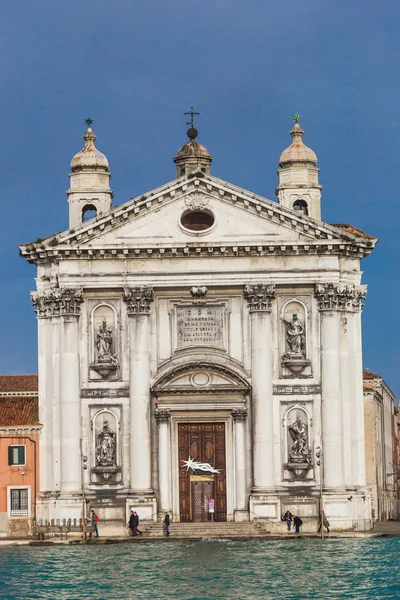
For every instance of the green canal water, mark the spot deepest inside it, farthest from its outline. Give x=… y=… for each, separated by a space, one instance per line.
x=293 y=569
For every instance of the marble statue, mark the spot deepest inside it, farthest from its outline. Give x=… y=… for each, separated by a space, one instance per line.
x=295 y=336
x=104 y=342
x=105 y=449
x=300 y=452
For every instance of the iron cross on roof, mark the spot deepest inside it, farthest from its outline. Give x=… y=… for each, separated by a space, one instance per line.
x=192 y=113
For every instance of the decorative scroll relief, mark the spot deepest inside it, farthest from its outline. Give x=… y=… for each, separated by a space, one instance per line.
x=200 y=326
x=333 y=296
x=138 y=300
x=62 y=302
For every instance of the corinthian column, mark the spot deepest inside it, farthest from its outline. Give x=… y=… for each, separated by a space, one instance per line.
x=70 y=406
x=355 y=386
x=164 y=474
x=332 y=300
x=260 y=298
x=138 y=306
x=239 y=416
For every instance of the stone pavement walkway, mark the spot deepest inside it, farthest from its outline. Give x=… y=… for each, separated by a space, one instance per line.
x=386 y=528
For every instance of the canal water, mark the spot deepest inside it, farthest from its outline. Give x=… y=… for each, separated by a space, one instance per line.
x=291 y=570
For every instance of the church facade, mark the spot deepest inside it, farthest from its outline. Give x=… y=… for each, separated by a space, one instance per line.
x=200 y=350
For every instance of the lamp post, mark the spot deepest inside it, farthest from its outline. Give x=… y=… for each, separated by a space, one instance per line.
x=84 y=467
x=319 y=456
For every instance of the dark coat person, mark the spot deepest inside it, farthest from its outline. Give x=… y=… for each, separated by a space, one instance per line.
x=297 y=522
x=166 y=523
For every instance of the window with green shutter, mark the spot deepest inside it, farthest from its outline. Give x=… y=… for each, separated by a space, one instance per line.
x=16 y=455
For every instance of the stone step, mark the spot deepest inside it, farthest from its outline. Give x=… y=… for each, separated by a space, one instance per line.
x=207 y=530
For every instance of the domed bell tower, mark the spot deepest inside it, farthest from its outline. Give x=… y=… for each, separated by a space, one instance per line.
x=192 y=156
x=89 y=195
x=299 y=188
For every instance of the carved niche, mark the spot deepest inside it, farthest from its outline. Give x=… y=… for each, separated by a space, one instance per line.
x=297 y=442
x=104 y=341
x=294 y=339
x=105 y=447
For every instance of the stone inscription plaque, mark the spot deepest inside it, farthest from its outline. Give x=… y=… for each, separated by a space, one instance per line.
x=200 y=326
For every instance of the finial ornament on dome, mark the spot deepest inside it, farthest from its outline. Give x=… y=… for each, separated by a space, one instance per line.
x=89 y=122
x=296 y=118
x=192 y=132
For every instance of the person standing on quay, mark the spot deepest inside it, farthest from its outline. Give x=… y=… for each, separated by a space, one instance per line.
x=166 y=524
x=131 y=523
x=288 y=518
x=136 y=524
x=94 y=519
x=325 y=522
x=297 y=523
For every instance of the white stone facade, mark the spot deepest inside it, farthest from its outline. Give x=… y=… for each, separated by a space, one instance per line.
x=253 y=323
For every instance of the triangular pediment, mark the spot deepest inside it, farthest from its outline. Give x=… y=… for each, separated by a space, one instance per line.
x=153 y=221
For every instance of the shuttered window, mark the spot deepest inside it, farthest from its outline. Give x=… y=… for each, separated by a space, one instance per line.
x=16 y=455
x=19 y=502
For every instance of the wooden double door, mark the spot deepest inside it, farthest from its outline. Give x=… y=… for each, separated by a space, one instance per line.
x=203 y=442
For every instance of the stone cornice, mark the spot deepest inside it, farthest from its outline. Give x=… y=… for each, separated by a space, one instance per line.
x=259 y=297
x=20 y=429
x=60 y=302
x=195 y=250
x=73 y=244
x=138 y=300
x=333 y=296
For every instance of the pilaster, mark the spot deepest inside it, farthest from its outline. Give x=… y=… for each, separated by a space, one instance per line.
x=239 y=416
x=164 y=447
x=138 y=302
x=260 y=299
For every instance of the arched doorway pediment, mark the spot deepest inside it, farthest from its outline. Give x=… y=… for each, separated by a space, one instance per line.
x=201 y=377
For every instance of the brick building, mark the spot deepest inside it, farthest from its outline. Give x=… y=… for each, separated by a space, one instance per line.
x=19 y=453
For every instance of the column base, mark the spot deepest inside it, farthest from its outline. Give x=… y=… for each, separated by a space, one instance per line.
x=241 y=515
x=145 y=504
x=345 y=511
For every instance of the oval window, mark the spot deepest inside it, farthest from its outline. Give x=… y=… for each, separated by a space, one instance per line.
x=197 y=220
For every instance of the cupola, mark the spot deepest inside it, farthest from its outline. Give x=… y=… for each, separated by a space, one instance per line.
x=192 y=156
x=298 y=187
x=89 y=195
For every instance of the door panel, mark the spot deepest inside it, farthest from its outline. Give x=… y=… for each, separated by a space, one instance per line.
x=204 y=442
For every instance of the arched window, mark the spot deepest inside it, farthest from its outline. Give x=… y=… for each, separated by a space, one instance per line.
x=89 y=211
x=301 y=206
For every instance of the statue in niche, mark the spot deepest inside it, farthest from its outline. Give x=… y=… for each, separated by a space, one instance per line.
x=295 y=336
x=105 y=449
x=104 y=342
x=300 y=452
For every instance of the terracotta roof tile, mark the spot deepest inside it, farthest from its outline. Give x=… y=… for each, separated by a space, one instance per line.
x=353 y=230
x=18 y=383
x=18 y=411
x=370 y=375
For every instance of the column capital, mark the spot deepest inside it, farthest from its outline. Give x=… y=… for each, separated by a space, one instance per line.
x=63 y=302
x=162 y=415
x=337 y=296
x=239 y=415
x=259 y=296
x=138 y=300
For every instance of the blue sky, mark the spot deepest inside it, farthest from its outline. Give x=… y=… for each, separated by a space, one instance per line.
x=134 y=67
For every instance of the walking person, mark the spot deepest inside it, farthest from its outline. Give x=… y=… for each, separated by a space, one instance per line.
x=297 y=522
x=131 y=523
x=94 y=520
x=136 y=524
x=324 y=522
x=288 y=517
x=166 y=524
